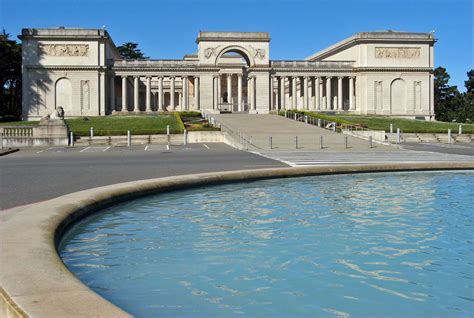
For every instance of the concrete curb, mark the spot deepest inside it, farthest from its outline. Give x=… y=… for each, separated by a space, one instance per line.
x=34 y=281
x=9 y=151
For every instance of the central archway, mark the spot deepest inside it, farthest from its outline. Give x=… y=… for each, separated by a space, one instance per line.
x=233 y=63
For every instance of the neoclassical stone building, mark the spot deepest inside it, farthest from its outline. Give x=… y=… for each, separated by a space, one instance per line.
x=386 y=73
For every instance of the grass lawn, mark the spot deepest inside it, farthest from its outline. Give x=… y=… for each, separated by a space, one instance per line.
x=405 y=125
x=118 y=125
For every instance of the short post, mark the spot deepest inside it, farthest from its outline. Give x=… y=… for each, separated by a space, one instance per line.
x=398 y=135
x=1 y=141
x=296 y=142
x=334 y=127
x=370 y=141
x=185 y=136
x=168 y=137
x=71 y=139
x=391 y=128
x=92 y=132
x=305 y=119
x=321 y=142
x=449 y=136
x=319 y=122
x=295 y=116
x=286 y=115
x=271 y=142
x=129 y=138
x=460 y=130
x=345 y=141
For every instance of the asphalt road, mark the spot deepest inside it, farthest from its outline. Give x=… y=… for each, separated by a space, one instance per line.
x=34 y=175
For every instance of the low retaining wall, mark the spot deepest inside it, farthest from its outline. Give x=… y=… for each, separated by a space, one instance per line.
x=377 y=135
x=35 y=282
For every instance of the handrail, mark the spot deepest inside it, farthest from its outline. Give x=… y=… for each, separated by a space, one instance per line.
x=308 y=119
x=241 y=138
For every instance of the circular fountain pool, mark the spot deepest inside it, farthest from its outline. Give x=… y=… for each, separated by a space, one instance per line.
x=385 y=244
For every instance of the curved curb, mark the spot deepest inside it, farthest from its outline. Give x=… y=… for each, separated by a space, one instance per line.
x=35 y=282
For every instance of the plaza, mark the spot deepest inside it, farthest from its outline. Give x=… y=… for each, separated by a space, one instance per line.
x=370 y=73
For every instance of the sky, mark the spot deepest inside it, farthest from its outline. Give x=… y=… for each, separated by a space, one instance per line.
x=298 y=28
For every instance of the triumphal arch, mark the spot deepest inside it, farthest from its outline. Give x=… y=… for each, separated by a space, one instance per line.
x=81 y=70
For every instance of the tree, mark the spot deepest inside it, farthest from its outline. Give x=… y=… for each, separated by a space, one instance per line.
x=130 y=50
x=10 y=77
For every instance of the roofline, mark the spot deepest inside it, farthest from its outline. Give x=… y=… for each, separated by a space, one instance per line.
x=385 y=36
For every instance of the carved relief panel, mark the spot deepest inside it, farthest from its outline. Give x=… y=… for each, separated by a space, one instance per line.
x=378 y=95
x=63 y=49
x=397 y=52
x=85 y=95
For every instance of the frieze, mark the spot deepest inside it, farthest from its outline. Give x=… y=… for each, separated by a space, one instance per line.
x=63 y=49
x=397 y=52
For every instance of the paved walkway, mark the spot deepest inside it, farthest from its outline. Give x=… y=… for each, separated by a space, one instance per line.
x=284 y=131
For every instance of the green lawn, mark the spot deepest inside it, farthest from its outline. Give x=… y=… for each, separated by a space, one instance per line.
x=193 y=121
x=405 y=125
x=118 y=125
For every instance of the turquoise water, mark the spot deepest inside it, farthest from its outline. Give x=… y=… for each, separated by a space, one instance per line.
x=369 y=245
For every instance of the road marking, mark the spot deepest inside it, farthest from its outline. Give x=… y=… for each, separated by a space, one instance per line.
x=40 y=151
x=146 y=148
x=84 y=149
x=106 y=148
x=206 y=146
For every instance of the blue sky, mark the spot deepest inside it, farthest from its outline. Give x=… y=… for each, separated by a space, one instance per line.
x=168 y=28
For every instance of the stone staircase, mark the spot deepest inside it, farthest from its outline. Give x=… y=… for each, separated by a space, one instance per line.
x=430 y=138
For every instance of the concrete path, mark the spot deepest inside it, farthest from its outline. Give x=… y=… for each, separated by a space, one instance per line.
x=284 y=132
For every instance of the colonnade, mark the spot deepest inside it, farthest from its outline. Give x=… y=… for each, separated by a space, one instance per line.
x=229 y=79
x=184 y=94
x=317 y=97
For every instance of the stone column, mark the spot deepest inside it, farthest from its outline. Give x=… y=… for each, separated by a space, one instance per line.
x=306 y=97
x=135 y=93
x=317 y=93
x=196 y=93
x=277 y=95
x=216 y=93
x=351 y=93
x=112 y=92
x=185 y=93
x=254 y=94
x=239 y=92
x=219 y=93
x=148 y=94
x=161 y=106
x=328 y=93
x=339 y=93
x=172 y=93
x=124 y=94
x=249 y=94
x=293 y=88
x=229 y=91
x=282 y=92
x=272 y=79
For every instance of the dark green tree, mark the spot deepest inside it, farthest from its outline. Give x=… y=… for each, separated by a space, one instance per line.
x=130 y=51
x=10 y=77
x=445 y=96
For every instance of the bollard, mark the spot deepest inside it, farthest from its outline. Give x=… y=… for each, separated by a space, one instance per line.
x=449 y=136
x=296 y=142
x=345 y=142
x=1 y=141
x=286 y=115
x=71 y=139
x=398 y=135
x=295 y=116
x=271 y=142
x=129 y=138
x=460 y=130
x=305 y=119
x=391 y=128
x=319 y=122
x=334 y=127
x=321 y=142
x=92 y=132
x=168 y=129
x=185 y=135
x=370 y=141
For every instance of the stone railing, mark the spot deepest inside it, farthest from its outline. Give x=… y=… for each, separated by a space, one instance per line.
x=311 y=64
x=17 y=131
x=47 y=133
x=154 y=63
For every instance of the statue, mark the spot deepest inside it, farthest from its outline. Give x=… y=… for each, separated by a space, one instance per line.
x=57 y=114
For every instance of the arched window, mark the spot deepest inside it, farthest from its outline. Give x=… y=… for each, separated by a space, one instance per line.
x=398 y=96
x=63 y=95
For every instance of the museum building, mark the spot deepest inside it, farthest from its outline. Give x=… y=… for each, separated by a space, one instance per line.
x=373 y=73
